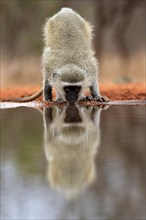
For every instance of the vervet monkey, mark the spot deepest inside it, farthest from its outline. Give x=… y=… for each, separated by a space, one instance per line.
x=71 y=140
x=68 y=60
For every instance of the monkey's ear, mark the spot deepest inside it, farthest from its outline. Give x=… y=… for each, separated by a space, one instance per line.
x=55 y=76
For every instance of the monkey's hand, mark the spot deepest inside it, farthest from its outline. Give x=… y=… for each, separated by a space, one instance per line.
x=59 y=99
x=86 y=98
x=101 y=98
x=48 y=100
x=96 y=98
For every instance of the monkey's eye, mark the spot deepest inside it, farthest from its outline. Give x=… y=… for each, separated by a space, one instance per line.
x=77 y=89
x=67 y=89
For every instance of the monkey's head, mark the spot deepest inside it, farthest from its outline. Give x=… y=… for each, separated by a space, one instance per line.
x=69 y=82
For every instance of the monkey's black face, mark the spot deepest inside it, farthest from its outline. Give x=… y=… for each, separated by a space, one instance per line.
x=72 y=93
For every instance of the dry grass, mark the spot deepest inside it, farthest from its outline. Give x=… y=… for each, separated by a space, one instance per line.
x=129 y=91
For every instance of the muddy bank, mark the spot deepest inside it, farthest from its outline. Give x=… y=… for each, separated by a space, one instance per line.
x=130 y=91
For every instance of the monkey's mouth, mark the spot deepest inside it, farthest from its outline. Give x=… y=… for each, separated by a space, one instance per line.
x=71 y=99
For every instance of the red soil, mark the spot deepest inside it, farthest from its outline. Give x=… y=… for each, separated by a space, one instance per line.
x=130 y=91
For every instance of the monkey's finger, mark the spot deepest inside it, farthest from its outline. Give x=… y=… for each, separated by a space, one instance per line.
x=58 y=100
x=85 y=98
x=102 y=99
x=105 y=99
x=98 y=99
x=89 y=98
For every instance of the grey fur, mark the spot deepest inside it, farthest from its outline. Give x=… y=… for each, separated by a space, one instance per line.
x=69 y=53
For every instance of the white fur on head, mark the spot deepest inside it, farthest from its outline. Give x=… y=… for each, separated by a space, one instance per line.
x=66 y=10
x=62 y=11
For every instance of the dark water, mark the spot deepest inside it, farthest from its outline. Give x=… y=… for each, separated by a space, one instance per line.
x=71 y=163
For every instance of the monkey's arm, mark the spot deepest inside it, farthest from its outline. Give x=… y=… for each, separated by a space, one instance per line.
x=47 y=91
x=95 y=93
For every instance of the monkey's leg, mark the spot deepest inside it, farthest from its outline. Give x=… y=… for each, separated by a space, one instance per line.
x=94 y=89
x=47 y=91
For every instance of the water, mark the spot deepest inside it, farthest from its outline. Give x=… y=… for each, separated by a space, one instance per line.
x=73 y=163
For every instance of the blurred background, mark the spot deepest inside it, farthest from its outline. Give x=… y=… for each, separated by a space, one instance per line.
x=119 y=38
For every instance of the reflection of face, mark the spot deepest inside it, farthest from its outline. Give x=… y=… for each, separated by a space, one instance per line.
x=71 y=140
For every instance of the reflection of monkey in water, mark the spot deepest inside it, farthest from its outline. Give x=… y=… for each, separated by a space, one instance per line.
x=71 y=137
x=68 y=61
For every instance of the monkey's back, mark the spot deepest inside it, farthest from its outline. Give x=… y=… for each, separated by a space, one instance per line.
x=68 y=39
x=68 y=31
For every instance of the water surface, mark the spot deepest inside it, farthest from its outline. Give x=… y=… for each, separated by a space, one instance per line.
x=73 y=163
